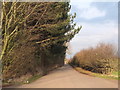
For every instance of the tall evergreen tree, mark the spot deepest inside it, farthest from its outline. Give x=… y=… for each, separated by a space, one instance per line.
x=35 y=34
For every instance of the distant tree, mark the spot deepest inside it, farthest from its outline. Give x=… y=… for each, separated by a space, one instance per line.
x=69 y=49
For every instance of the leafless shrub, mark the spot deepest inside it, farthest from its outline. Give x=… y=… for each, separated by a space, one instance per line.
x=101 y=59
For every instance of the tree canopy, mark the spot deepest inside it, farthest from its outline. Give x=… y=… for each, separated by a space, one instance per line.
x=35 y=34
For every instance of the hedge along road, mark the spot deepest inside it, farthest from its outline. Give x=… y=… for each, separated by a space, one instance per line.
x=67 y=77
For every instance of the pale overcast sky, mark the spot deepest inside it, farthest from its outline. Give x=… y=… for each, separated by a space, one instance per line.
x=99 y=21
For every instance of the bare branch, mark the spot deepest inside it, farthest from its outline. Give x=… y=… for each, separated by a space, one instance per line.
x=29 y=14
x=53 y=38
x=41 y=16
x=16 y=28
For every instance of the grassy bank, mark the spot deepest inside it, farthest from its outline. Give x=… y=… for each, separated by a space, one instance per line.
x=113 y=75
x=27 y=81
x=32 y=79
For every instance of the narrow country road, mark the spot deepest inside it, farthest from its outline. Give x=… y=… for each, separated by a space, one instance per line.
x=67 y=77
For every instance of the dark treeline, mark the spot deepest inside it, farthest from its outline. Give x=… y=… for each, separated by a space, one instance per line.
x=34 y=37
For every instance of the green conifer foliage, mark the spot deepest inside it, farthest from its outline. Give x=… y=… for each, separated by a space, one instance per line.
x=34 y=37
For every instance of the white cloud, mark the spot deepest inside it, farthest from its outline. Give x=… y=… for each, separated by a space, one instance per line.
x=91 y=34
x=91 y=13
x=81 y=5
x=94 y=0
x=86 y=10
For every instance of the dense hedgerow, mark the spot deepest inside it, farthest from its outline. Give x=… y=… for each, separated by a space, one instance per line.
x=101 y=59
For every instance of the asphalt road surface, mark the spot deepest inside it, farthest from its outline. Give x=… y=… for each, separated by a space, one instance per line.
x=67 y=77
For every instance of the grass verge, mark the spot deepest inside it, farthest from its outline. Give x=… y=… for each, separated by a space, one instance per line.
x=29 y=80
x=32 y=79
x=114 y=75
